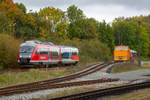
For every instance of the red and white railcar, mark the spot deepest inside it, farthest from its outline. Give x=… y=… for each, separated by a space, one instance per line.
x=39 y=53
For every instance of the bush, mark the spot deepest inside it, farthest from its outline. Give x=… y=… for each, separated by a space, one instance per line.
x=108 y=59
x=1 y=67
x=89 y=50
x=144 y=58
x=8 y=51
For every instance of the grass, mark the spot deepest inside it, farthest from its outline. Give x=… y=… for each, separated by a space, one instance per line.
x=136 y=95
x=146 y=65
x=125 y=67
x=33 y=75
x=129 y=67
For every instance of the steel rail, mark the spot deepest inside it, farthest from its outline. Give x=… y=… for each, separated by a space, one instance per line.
x=31 y=86
x=104 y=92
x=54 y=86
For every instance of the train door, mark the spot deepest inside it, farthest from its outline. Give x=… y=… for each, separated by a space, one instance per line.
x=43 y=54
x=65 y=52
x=54 y=55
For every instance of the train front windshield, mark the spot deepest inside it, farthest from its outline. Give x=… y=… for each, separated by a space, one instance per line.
x=125 y=48
x=26 y=51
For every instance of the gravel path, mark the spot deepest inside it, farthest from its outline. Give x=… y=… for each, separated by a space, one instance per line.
x=132 y=75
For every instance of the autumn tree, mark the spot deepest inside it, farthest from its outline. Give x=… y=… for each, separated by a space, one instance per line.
x=4 y=23
x=27 y=28
x=56 y=18
x=14 y=15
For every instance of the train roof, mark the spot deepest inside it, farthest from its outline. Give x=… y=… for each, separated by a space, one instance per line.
x=33 y=41
x=28 y=44
x=65 y=46
x=133 y=51
x=121 y=46
x=36 y=42
x=47 y=43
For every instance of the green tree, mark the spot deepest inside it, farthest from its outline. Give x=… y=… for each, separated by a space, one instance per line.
x=61 y=30
x=74 y=13
x=96 y=23
x=143 y=41
x=82 y=29
x=133 y=35
x=21 y=7
x=105 y=34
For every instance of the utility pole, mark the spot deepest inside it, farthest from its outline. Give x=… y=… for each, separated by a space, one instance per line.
x=139 y=24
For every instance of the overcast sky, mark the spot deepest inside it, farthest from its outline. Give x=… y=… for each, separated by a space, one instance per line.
x=106 y=10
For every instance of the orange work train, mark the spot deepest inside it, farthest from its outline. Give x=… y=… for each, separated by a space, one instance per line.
x=123 y=53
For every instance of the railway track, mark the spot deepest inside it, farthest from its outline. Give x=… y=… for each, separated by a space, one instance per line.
x=36 y=85
x=94 y=95
x=54 y=86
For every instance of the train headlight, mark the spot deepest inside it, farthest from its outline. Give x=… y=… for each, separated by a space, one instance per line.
x=20 y=56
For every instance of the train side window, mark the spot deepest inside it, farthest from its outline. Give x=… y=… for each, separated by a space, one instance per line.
x=37 y=51
x=42 y=52
x=117 y=48
x=74 y=53
x=65 y=55
x=54 y=55
x=124 y=48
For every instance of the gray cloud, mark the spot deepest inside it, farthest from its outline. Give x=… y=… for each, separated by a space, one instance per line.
x=135 y=4
x=41 y=3
x=99 y=9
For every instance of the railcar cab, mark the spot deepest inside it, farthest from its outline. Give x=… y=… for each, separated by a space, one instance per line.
x=121 y=53
x=35 y=52
x=25 y=52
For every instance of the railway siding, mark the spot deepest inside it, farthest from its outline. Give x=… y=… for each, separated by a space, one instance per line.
x=46 y=84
